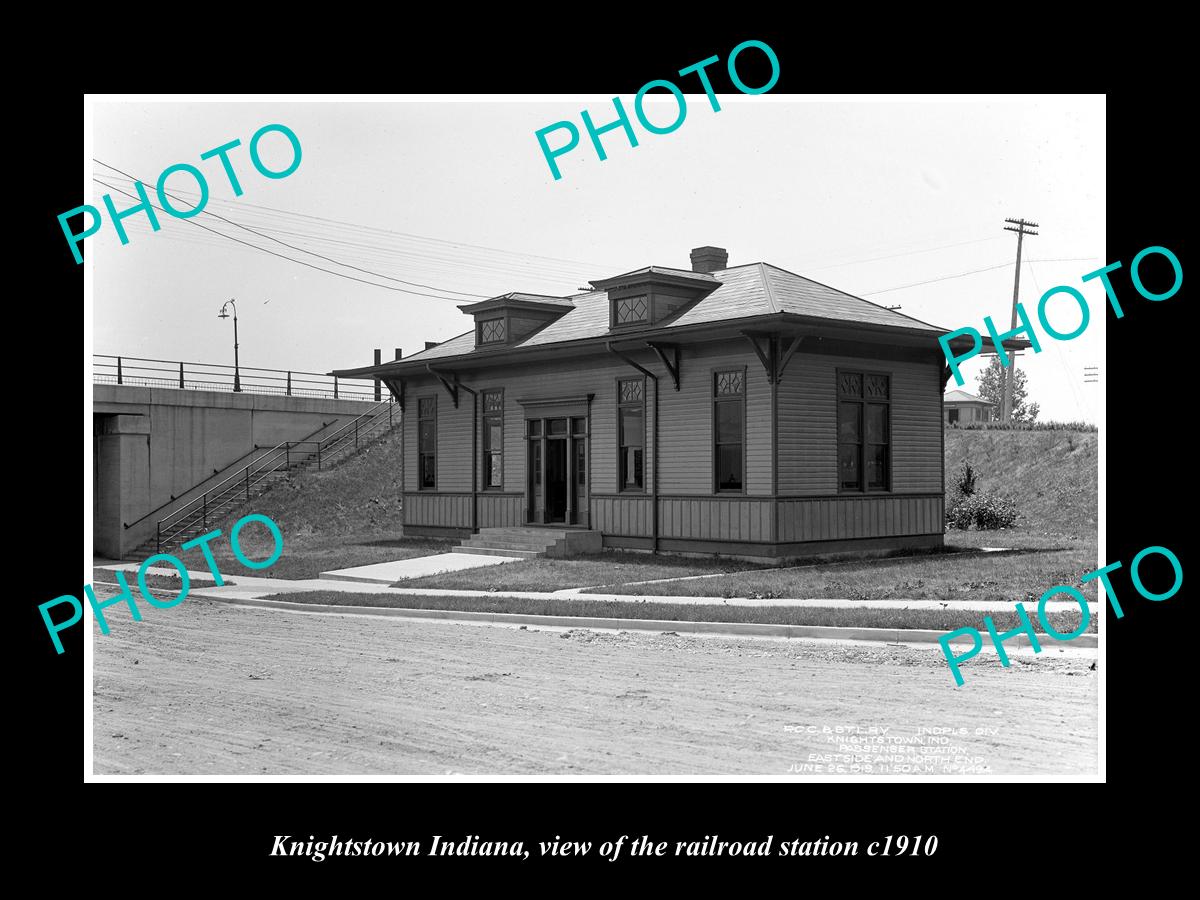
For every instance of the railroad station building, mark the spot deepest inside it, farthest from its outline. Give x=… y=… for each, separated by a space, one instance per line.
x=742 y=410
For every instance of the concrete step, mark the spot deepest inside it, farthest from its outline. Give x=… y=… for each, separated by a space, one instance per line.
x=556 y=542
x=554 y=533
x=495 y=543
x=491 y=551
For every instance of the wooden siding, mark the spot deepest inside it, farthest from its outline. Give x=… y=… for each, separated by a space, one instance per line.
x=717 y=518
x=808 y=424
x=873 y=515
x=438 y=509
x=686 y=466
x=453 y=436
x=628 y=514
x=501 y=510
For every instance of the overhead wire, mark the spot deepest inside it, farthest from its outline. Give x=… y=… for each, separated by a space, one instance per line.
x=1080 y=404
x=300 y=249
x=971 y=272
x=905 y=253
x=376 y=255
x=243 y=205
x=280 y=255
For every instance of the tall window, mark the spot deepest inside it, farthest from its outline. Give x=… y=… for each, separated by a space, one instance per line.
x=631 y=419
x=864 y=431
x=491 y=331
x=729 y=424
x=427 y=443
x=493 y=439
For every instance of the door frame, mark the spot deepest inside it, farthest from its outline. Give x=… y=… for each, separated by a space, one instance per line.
x=544 y=409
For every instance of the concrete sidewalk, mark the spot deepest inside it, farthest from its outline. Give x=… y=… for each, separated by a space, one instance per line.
x=251 y=587
x=415 y=567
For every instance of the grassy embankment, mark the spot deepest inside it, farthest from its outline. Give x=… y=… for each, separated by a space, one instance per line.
x=348 y=515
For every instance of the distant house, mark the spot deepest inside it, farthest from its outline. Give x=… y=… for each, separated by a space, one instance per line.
x=960 y=408
x=742 y=410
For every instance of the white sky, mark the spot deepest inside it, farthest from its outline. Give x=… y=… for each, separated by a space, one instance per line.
x=863 y=196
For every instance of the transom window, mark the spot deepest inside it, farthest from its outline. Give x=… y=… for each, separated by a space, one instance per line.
x=729 y=426
x=491 y=331
x=864 y=431
x=631 y=310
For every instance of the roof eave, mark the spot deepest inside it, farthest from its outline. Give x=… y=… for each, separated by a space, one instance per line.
x=789 y=322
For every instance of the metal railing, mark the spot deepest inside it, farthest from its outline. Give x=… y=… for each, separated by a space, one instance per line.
x=197 y=376
x=193 y=517
x=238 y=465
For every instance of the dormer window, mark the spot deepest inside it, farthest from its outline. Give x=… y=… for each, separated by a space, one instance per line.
x=491 y=331
x=509 y=319
x=631 y=310
x=651 y=295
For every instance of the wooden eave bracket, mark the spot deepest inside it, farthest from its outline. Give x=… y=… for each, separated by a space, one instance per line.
x=449 y=381
x=615 y=352
x=671 y=361
x=788 y=354
x=396 y=389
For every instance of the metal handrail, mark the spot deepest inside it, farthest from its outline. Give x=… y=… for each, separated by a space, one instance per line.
x=362 y=430
x=239 y=476
x=215 y=473
x=257 y=471
x=244 y=480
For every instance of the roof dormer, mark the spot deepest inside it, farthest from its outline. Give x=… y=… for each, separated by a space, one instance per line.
x=510 y=318
x=647 y=296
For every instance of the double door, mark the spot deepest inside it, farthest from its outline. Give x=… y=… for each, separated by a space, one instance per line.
x=558 y=470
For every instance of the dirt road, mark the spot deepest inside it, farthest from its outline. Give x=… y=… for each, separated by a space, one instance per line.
x=211 y=689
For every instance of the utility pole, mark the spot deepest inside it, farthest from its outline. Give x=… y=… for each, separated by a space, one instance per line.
x=1008 y=375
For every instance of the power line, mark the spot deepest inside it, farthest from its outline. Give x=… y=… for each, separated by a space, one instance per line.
x=932 y=280
x=1079 y=402
x=906 y=253
x=301 y=249
x=280 y=255
x=241 y=204
x=369 y=253
x=972 y=272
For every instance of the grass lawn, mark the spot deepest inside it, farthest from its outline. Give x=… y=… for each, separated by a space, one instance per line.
x=941 y=619
x=1040 y=563
x=1022 y=575
x=579 y=571
x=307 y=555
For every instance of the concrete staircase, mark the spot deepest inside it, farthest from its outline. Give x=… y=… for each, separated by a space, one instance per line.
x=531 y=542
x=245 y=483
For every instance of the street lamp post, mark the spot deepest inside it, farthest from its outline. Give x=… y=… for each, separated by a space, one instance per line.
x=237 y=377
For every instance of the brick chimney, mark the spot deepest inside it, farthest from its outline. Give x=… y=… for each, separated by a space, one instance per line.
x=709 y=259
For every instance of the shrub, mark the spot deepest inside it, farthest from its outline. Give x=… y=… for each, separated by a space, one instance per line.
x=964 y=482
x=986 y=511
